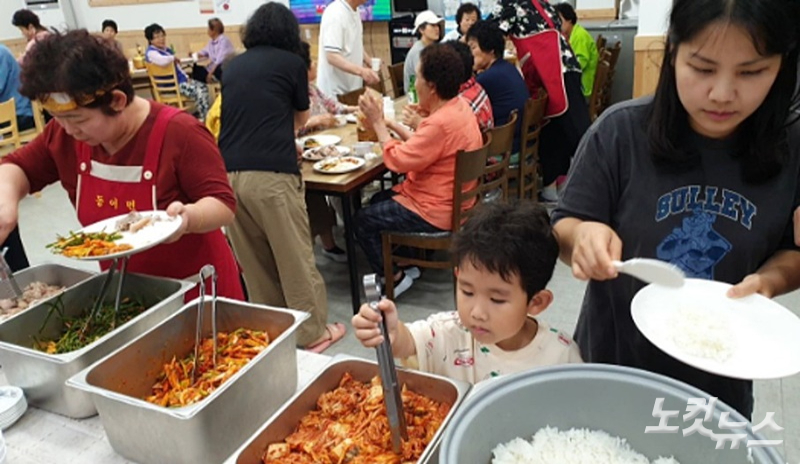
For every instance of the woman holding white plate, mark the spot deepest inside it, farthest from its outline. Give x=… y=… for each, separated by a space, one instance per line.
x=704 y=175
x=114 y=152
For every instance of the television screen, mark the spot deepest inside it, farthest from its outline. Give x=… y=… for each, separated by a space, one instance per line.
x=410 y=5
x=310 y=11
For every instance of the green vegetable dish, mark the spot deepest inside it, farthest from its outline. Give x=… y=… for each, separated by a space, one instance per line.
x=79 y=331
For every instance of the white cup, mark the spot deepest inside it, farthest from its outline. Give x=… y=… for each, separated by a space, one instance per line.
x=195 y=56
x=362 y=148
x=376 y=64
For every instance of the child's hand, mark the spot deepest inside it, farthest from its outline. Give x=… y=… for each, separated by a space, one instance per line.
x=366 y=323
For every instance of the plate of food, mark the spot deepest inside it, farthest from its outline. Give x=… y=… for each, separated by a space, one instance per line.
x=316 y=141
x=316 y=154
x=118 y=236
x=744 y=338
x=338 y=165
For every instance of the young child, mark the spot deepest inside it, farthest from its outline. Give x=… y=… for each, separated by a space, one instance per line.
x=505 y=255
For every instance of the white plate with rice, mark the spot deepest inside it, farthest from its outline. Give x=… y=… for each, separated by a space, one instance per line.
x=745 y=338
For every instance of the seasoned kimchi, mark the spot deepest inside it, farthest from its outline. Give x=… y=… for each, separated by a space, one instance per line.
x=350 y=426
x=174 y=387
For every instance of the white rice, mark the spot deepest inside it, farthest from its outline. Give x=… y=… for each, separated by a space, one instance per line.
x=697 y=332
x=574 y=446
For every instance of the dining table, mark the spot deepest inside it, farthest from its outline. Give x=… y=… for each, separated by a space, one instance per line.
x=348 y=186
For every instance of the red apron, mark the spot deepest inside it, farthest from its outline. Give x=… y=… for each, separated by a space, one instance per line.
x=540 y=61
x=99 y=199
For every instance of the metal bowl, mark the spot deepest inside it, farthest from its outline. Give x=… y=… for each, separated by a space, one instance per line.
x=284 y=422
x=209 y=430
x=42 y=375
x=617 y=400
x=51 y=274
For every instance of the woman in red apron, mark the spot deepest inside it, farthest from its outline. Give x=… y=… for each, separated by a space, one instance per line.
x=114 y=152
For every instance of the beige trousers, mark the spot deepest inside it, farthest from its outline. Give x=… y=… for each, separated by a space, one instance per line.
x=270 y=236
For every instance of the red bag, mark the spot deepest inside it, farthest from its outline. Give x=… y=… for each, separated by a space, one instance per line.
x=541 y=64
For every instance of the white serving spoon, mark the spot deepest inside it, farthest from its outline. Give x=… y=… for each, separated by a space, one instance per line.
x=652 y=271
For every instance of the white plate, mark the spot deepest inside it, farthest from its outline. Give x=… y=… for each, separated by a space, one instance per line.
x=321 y=139
x=339 y=165
x=311 y=155
x=765 y=334
x=141 y=240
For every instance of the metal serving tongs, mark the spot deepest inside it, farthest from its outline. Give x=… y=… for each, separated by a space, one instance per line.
x=8 y=276
x=391 y=387
x=98 y=303
x=207 y=271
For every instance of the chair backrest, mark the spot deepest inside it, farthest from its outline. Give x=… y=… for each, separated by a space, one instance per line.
x=612 y=58
x=396 y=73
x=381 y=85
x=38 y=116
x=502 y=142
x=351 y=98
x=601 y=43
x=532 y=122
x=597 y=102
x=467 y=191
x=164 y=83
x=8 y=119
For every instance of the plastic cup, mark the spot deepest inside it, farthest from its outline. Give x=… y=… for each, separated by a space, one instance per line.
x=376 y=64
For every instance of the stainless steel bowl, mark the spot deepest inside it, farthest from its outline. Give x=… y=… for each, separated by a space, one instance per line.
x=51 y=274
x=617 y=400
x=285 y=421
x=207 y=431
x=42 y=375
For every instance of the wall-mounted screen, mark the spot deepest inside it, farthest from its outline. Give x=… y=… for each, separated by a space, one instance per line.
x=310 y=11
x=410 y=5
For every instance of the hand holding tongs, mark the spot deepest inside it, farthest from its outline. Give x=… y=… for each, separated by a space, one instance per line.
x=207 y=271
x=7 y=275
x=391 y=387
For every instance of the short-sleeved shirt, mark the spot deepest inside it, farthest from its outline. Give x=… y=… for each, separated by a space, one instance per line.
x=190 y=167
x=9 y=83
x=445 y=347
x=262 y=89
x=707 y=221
x=507 y=92
x=341 y=32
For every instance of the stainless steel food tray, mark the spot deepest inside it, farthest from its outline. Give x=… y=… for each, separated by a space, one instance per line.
x=285 y=421
x=51 y=274
x=207 y=431
x=42 y=375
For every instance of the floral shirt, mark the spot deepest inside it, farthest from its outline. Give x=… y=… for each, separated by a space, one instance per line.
x=520 y=19
x=475 y=95
x=321 y=104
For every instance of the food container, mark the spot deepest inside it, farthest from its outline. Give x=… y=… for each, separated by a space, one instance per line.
x=42 y=375
x=51 y=274
x=285 y=421
x=617 y=400
x=207 y=431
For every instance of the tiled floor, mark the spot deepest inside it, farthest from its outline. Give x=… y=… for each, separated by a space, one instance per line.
x=41 y=218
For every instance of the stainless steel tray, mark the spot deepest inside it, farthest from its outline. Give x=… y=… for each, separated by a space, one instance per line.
x=42 y=375
x=51 y=274
x=208 y=431
x=285 y=421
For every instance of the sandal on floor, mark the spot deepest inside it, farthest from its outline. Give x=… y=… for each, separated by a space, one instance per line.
x=335 y=331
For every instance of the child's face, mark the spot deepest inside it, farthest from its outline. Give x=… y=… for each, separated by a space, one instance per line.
x=722 y=79
x=494 y=311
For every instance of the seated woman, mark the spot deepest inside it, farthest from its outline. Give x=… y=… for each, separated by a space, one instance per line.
x=28 y=23
x=158 y=54
x=470 y=91
x=501 y=80
x=424 y=201
x=428 y=30
x=218 y=49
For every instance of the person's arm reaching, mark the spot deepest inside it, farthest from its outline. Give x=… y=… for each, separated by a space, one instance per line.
x=588 y=247
x=14 y=186
x=368 y=333
x=337 y=60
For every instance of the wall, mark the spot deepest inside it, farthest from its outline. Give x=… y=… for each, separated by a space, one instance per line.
x=649 y=45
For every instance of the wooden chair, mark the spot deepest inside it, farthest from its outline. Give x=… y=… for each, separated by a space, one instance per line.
x=525 y=174
x=351 y=98
x=396 y=73
x=496 y=175
x=470 y=169
x=601 y=43
x=613 y=58
x=381 y=85
x=164 y=84
x=38 y=121
x=8 y=127
x=597 y=102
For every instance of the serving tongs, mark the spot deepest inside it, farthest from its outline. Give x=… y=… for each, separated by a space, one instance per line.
x=98 y=303
x=207 y=271
x=8 y=276
x=388 y=371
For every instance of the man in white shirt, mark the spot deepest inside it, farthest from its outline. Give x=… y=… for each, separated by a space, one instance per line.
x=343 y=63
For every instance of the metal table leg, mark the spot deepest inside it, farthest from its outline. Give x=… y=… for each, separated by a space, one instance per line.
x=350 y=245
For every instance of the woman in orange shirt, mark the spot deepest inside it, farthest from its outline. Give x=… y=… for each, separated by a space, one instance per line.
x=424 y=201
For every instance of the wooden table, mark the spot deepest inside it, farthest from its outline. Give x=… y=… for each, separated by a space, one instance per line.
x=348 y=187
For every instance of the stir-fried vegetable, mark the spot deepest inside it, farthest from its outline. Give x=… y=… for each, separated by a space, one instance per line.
x=83 y=244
